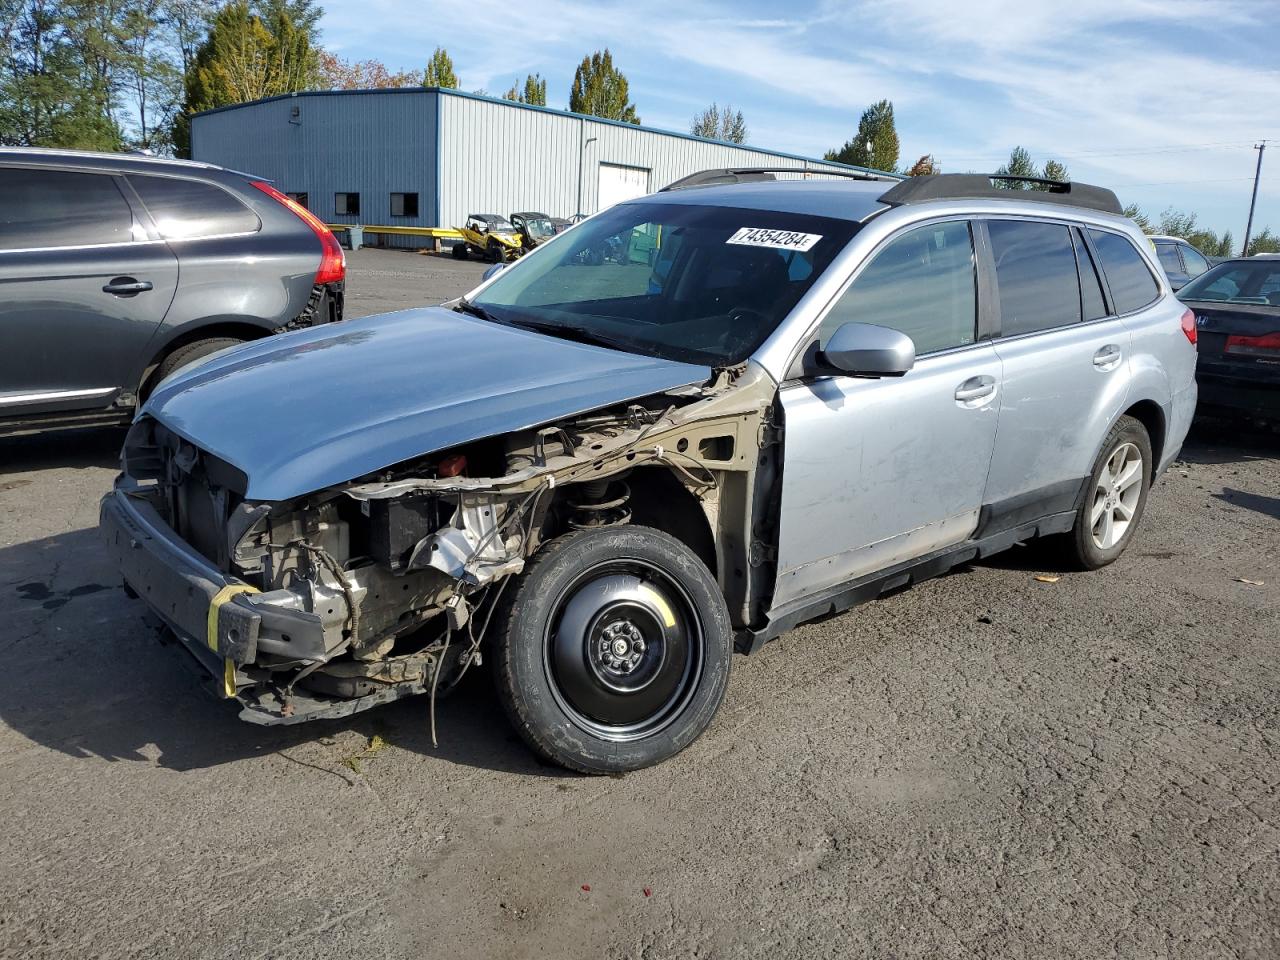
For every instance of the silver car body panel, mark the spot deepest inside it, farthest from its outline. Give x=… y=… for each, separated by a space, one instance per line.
x=877 y=471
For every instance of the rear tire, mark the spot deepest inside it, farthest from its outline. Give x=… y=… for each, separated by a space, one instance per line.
x=1114 y=499
x=612 y=652
x=459 y=251
x=190 y=353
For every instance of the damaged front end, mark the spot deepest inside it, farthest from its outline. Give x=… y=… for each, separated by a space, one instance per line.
x=369 y=591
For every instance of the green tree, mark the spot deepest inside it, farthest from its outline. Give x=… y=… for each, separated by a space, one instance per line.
x=1225 y=245
x=600 y=90
x=1019 y=165
x=245 y=59
x=439 y=71
x=875 y=145
x=149 y=78
x=534 y=91
x=1053 y=170
x=716 y=123
x=1134 y=213
x=1264 y=242
x=57 y=70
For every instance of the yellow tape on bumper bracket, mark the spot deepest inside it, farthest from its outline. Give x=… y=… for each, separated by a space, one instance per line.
x=221 y=597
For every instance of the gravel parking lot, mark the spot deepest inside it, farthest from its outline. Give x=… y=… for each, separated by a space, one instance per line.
x=988 y=765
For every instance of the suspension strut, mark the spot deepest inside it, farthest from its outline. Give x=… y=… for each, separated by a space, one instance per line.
x=603 y=503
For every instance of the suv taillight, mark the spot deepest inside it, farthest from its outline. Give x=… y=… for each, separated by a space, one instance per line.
x=1189 y=326
x=333 y=262
x=1267 y=345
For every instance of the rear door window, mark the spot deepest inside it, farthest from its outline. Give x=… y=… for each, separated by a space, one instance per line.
x=922 y=284
x=185 y=209
x=1132 y=285
x=61 y=208
x=1036 y=275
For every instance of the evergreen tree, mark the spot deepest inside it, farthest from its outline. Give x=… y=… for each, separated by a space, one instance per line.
x=600 y=90
x=1019 y=165
x=925 y=166
x=1053 y=170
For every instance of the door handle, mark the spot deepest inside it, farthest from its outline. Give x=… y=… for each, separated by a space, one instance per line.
x=975 y=389
x=1107 y=357
x=127 y=286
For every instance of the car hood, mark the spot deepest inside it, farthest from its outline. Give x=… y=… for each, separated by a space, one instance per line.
x=307 y=410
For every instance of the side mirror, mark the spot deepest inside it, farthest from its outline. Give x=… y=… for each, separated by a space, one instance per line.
x=492 y=270
x=864 y=349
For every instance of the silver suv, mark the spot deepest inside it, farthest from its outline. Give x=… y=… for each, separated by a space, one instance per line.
x=696 y=419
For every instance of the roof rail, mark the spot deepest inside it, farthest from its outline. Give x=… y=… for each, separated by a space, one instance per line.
x=948 y=186
x=707 y=178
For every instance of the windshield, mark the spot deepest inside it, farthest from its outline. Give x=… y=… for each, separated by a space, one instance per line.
x=539 y=227
x=496 y=224
x=1239 y=282
x=698 y=284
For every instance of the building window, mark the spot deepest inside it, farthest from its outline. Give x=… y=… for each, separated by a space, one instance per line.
x=404 y=204
x=300 y=199
x=346 y=204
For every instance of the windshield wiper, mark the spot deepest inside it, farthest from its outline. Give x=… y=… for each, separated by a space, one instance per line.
x=466 y=306
x=570 y=332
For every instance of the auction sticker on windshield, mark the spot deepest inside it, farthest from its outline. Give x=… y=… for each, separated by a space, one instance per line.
x=774 y=239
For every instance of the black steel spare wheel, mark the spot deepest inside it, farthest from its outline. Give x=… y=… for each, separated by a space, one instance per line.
x=615 y=649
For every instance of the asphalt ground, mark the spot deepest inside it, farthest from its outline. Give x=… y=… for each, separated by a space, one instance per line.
x=987 y=765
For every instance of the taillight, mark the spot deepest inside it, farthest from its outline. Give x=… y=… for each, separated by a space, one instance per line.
x=1266 y=345
x=1189 y=326
x=333 y=262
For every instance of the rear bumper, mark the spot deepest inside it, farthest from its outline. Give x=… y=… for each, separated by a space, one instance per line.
x=221 y=621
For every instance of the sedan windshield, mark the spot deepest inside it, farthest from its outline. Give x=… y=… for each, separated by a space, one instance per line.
x=1240 y=281
x=698 y=284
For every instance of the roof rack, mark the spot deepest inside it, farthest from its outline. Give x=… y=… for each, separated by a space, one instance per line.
x=707 y=178
x=967 y=186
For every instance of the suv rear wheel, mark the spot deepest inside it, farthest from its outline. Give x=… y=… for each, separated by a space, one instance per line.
x=613 y=652
x=1115 y=497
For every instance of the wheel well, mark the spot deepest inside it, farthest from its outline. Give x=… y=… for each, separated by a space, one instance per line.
x=661 y=501
x=1149 y=414
x=230 y=328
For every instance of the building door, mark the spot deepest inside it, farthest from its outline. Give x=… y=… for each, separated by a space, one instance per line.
x=618 y=183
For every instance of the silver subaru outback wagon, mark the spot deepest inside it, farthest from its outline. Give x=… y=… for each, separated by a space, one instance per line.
x=688 y=424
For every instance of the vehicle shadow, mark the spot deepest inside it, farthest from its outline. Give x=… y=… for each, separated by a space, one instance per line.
x=1214 y=441
x=1259 y=503
x=74 y=449
x=88 y=677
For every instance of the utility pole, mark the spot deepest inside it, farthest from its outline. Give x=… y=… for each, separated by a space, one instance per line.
x=1257 y=175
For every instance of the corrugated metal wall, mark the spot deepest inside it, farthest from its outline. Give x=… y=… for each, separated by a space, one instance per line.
x=493 y=156
x=368 y=143
x=499 y=158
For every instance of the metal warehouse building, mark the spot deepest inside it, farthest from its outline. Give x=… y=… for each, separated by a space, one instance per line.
x=428 y=157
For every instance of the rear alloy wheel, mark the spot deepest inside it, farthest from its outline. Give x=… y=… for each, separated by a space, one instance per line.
x=615 y=648
x=1115 y=497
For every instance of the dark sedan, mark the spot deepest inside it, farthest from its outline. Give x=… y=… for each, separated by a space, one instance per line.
x=1237 y=308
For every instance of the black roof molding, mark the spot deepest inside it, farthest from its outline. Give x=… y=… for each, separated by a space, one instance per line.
x=970 y=186
x=724 y=175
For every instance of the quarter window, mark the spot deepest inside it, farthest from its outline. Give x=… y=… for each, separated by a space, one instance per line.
x=346 y=204
x=404 y=204
x=184 y=209
x=1132 y=285
x=59 y=208
x=922 y=284
x=1035 y=275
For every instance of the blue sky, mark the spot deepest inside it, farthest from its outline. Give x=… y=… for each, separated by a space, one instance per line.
x=1160 y=99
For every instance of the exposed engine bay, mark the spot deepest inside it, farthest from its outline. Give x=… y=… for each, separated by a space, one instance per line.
x=384 y=587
